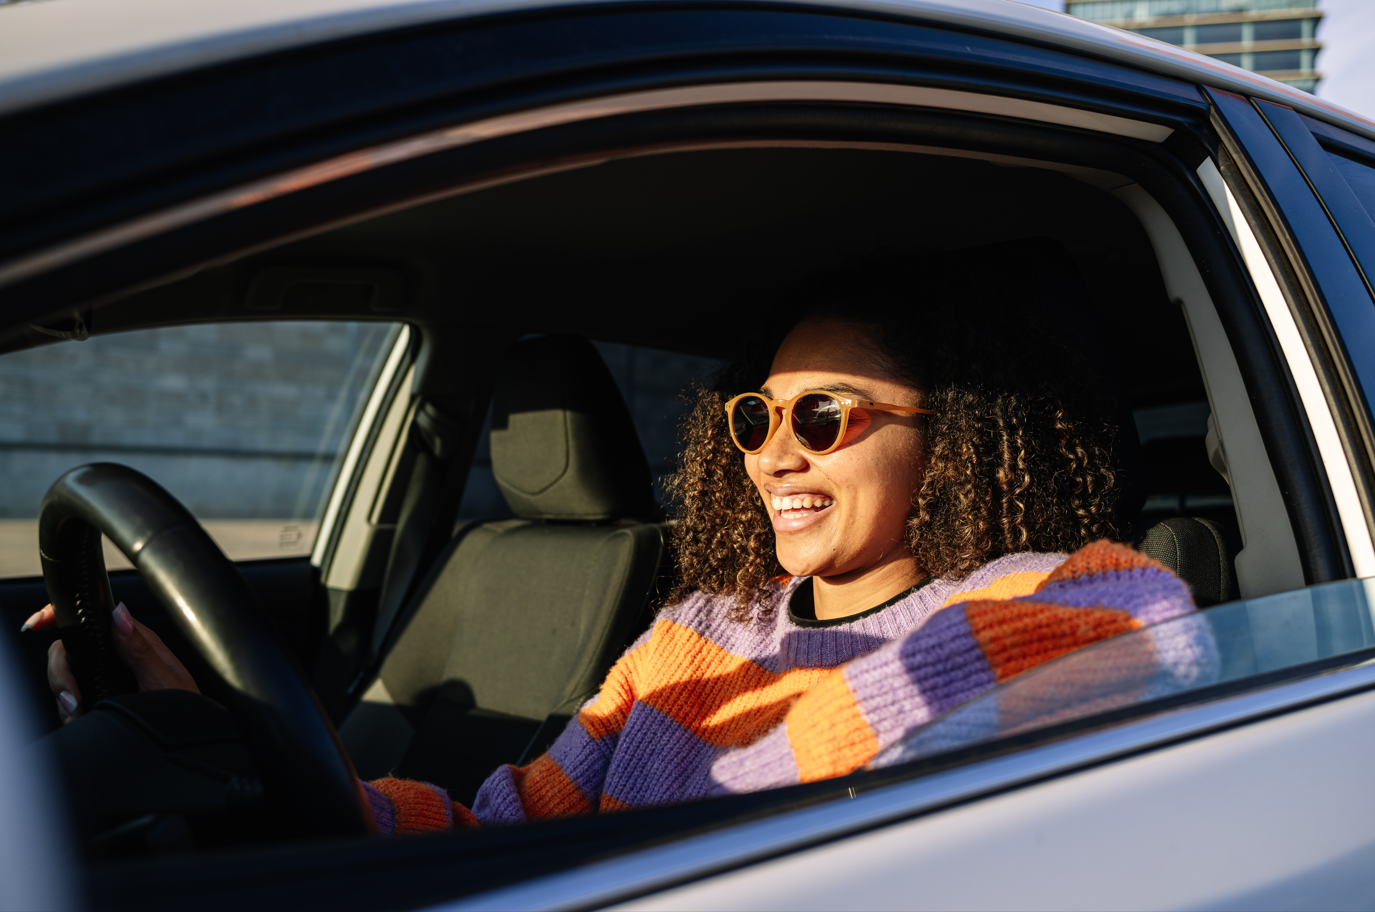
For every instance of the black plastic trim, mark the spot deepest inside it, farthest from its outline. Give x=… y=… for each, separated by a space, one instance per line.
x=1303 y=482
x=71 y=168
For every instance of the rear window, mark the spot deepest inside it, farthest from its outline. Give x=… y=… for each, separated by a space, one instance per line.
x=1360 y=175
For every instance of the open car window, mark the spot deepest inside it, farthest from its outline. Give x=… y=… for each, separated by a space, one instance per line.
x=245 y=423
x=1187 y=660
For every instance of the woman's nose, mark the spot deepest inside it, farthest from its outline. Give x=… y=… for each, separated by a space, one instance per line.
x=781 y=453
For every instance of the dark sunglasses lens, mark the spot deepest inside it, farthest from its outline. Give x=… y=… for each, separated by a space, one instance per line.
x=816 y=421
x=749 y=422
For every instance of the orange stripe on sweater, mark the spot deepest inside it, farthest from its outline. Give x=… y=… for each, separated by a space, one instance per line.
x=611 y=805
x=608 y=713
x=1102 y=556
x=1013 y=585
x=828 y=734
x=1016 y=636
x=418 y=808
x=546 y=791
x=724 y=699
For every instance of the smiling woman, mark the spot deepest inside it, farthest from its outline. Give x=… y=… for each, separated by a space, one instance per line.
x=1018 y=453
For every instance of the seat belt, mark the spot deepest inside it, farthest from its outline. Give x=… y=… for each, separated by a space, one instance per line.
x=429 y=491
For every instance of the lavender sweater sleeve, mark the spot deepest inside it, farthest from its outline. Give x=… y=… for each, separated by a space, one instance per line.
x=867 y=705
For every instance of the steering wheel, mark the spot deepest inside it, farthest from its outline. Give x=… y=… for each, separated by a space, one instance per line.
x=304 y=767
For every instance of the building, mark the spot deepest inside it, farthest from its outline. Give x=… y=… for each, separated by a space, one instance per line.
x=1277 y=38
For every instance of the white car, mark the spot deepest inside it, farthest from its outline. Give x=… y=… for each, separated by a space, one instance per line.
x=271 y=257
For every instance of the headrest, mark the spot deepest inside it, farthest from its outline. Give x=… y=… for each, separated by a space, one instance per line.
x=563 y=444
x=1199 y=553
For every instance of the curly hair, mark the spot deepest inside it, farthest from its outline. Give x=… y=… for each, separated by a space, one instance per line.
x=1020 y=453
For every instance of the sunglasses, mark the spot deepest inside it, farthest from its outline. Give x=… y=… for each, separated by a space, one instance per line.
x=818 y=419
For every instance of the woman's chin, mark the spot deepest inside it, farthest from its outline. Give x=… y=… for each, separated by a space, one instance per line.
x=806 y=558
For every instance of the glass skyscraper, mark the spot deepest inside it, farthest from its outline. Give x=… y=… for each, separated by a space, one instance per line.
x=1277 y=38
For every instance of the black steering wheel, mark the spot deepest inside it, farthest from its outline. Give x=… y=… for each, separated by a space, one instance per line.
x=304 y=767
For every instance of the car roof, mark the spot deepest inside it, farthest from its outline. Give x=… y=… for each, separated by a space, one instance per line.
x=51 y=50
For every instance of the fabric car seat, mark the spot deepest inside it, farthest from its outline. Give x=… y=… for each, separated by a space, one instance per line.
x=1199 y=551
x=518 y=621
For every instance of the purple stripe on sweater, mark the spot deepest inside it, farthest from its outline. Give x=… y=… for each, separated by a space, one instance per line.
x=886 y=694
x=1186 y=652
x=497 y=802
x=767 y=763
x=659 y=761
x=945 y=662
x=583 y=758
x=382 y=810
x=1147 y=594
x=827 y=647
x=707 y=616
x=777 y=644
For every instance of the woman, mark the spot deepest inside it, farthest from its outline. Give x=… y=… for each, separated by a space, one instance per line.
x=874 y=515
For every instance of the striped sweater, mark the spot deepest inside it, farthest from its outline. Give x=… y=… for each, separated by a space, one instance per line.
x=701 y=705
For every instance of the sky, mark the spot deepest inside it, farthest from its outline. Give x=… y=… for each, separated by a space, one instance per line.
x=1347 y=61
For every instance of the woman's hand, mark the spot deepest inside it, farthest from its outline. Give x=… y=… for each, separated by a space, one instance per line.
x=153 y=665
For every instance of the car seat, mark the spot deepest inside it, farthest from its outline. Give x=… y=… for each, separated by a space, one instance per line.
x=518 y=621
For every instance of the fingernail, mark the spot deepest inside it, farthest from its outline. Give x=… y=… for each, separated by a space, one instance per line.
x=123 y=623
x=33 y=619
x=68 y=702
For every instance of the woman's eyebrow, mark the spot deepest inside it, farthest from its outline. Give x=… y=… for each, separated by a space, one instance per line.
x=847 y=388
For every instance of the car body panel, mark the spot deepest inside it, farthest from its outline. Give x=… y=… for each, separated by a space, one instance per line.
x=1197 y=825
x=62 y=49
x=771 y=844
x=237 y=198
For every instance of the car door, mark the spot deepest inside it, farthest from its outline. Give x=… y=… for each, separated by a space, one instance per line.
x=524 y=79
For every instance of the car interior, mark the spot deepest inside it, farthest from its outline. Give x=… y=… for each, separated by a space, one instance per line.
x=498 y=534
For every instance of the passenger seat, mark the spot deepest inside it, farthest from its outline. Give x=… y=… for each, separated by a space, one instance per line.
x=519 y=621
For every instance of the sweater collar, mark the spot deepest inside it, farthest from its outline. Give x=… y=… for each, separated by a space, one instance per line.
x=802 y=607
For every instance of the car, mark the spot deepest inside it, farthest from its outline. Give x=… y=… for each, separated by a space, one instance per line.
x=262 y=267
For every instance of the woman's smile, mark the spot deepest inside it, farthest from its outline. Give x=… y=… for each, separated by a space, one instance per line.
x=794 y=511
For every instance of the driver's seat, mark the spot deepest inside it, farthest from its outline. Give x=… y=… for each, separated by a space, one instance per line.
x=518 y=621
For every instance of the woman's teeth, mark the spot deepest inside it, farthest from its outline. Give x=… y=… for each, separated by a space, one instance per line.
x=802 y=502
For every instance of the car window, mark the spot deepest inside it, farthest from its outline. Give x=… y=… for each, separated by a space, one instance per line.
x=1181 y=478
x=245 y=423
x=1223 y=645
x=653 y=383
x=1360 y=175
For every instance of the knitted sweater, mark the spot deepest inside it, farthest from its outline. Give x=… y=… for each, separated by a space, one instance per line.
x=701 y=705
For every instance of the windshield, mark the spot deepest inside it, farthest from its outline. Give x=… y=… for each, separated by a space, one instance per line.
x=1229 y=643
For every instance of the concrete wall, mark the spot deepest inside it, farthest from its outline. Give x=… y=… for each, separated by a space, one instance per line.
x=242 y=422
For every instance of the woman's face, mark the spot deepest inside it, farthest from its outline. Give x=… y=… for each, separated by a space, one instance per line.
x=860 y=494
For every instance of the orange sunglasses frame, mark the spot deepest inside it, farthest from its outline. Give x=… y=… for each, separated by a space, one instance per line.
x=780 y=411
